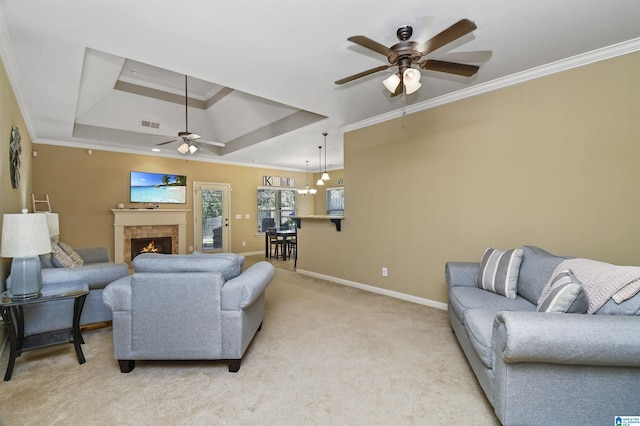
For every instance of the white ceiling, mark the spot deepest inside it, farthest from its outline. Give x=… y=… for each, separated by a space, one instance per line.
x=263 y=71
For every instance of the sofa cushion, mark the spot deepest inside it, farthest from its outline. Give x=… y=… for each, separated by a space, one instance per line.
x=462 y=299
x=535 y=271
x=46 y=261
x=479 y=327
x=566 y=294
x=499 y=271
x=228 y=266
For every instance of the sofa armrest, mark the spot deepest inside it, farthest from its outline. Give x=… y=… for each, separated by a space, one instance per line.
x=117 y=295
x=461 y=274
x=93 y=254
x=241 y=291
x=607 y=340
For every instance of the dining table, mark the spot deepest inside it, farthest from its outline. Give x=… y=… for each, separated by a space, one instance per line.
x=285 y=233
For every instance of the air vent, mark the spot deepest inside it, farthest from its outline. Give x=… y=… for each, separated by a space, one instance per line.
x=150 y=124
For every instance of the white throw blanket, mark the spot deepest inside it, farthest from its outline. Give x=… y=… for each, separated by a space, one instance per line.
x=602 y=281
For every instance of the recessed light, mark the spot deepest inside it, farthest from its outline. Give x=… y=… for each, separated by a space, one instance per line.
x=155 y=149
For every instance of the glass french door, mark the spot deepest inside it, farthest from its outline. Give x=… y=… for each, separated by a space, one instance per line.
x=211 y=217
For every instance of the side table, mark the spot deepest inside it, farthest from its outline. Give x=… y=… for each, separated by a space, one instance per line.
x=13 y=317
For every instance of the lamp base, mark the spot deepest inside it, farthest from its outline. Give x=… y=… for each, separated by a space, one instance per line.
x=26 y=278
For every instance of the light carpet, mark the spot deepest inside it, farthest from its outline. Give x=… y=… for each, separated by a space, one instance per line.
x=327 y=354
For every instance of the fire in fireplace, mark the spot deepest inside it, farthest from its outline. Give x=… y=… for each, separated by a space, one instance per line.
x=150 y=245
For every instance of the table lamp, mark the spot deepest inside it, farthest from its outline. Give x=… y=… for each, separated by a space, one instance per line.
x=53 y=223
x=24 y=237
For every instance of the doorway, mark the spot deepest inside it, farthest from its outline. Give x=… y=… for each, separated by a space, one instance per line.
x=211 y=217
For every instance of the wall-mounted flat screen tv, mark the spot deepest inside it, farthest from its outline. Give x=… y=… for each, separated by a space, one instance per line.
x=157 y=188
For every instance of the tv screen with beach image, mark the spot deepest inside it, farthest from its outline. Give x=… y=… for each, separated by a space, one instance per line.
x=158 y=188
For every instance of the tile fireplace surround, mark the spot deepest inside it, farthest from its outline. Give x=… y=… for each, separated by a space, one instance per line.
x=139 y=223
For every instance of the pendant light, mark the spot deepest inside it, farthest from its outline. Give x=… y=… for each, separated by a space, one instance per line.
x=306 y=190
x=320 y=181
x=325 y=175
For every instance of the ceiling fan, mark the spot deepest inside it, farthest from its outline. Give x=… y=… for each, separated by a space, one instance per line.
x=190 y=141
x=407 y=53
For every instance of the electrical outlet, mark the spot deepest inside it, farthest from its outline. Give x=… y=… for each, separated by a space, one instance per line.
x=244 y=243
x=384 y=271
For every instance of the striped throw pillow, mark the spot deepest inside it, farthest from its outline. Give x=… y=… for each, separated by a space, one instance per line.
x=499 y=271
x=566 y=294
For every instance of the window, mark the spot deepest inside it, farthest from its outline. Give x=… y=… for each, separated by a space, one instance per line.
x=275 y=207
x=335 y=201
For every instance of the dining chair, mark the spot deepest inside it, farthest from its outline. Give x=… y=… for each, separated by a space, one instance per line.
x=277 y=242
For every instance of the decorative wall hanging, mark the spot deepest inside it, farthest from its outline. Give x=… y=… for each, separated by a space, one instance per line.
x=15 y=150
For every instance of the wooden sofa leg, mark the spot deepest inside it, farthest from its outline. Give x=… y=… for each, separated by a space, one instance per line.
x=126 y=365
x=234 y=365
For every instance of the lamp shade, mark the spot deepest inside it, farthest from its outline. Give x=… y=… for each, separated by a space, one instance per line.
x=53 y=223
x=411 y=79
x=183 y=148
x=24 y=235
x=193 y=148
x=391 y=82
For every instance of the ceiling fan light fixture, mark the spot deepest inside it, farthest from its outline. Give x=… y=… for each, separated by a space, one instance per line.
x=391 y=82
x=411 y=79
x=193 y=148
x=313 y=191
x=183 y=148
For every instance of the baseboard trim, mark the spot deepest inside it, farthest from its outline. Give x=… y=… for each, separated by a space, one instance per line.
x=378 y=290
x=251 y=253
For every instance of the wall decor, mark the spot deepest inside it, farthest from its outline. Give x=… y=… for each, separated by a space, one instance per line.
x=15 y=150
x=154 y=188
x=278 y=181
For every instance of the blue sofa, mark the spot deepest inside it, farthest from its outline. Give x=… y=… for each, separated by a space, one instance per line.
x=539 y=368
x=97 y=271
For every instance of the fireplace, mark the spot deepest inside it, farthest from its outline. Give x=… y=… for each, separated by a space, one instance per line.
x=148 y=223
x=150 y=245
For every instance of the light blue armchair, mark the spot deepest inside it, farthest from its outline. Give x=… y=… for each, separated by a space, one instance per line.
x=187 y=307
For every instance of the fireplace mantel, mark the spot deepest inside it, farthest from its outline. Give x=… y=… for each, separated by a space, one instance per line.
x=147 y=217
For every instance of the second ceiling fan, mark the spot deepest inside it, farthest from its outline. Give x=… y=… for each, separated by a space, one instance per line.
x=190 y=141
x=407 y=53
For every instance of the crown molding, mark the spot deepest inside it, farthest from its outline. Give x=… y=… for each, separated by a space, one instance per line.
x=499 y=83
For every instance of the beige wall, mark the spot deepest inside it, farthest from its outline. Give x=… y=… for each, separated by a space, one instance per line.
x=12 y=200
x=551 y=162
x=84 y=188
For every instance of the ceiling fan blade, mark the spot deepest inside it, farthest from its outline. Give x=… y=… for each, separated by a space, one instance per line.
x=449 y=67
x=220 y=144
x=365 y=41
x=454 y=32
x=164 y=143
x=473 y=56
x=362 y=74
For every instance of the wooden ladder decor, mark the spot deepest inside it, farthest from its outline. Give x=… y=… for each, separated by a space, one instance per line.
x=37 y=203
